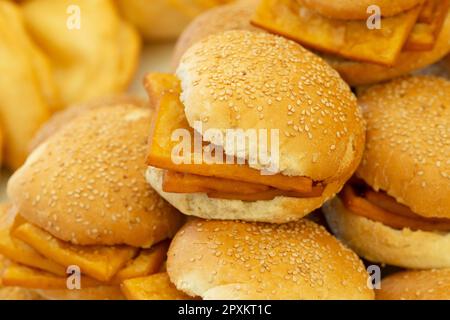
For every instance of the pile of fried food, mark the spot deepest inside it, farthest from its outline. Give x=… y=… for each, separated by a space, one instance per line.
x=129 y=198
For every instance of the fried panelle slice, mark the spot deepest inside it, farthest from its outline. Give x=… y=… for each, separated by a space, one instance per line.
x=16 y=275
x=99 y=262
x=365 y=208
x=154 y=287
x=425 y=33
x=17 y=250
x=149 y=261
x=349 y=39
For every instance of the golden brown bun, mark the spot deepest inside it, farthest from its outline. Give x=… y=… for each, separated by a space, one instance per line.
x=163 y=19
x=86 y=183
x=237 y=260
x=234 y=16
x=96 y=293
x=360 y=73
x=357 y=9
x=416 y=285
x=379 y=243
x=61 y=118
x=278 y=210
x=253 y=80
x=407 y=145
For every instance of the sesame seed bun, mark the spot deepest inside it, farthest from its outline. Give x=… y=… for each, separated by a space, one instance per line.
x=379 y=243
x=278 y=210
x=95 y=293
x=416 y=285
x=86 y=183
x=359 y=73
x=252 y=80
x=238 y=260
x=234 y=16
x=407 y=145
x=357 y=10
x=61 y=118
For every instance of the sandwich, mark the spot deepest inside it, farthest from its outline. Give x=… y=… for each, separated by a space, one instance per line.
x=81 y=218
x=251 y=127
x=366 y=41
x=256 y=261
x=396 y=209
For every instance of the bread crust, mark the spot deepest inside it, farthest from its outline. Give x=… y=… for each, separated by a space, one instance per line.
x=238 y=260
x=379 y=243
x=86 y=184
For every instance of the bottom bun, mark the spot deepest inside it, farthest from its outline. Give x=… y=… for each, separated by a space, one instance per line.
x=379 y=243
x=97 y=293
x=416 y=285
x=278 y=210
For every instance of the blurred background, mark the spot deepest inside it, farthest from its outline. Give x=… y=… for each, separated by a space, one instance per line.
x=56 y=54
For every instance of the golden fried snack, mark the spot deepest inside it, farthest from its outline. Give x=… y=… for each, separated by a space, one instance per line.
x=357 y=9
x=93 y=50
x=160 y=20
x=99 y=262
x=19 y=251
x=27 y=90
x=16 y=275
x=346 y=38
x=95 y=293
x=429 y=25
x=149 y=261
x=15 y=293
x=359 y=73
x=154 y=287
x=61 y=118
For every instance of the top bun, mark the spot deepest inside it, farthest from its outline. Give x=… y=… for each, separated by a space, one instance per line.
x=238 y=260
x=234 y=16
x=86 y=183
x=61 y=118
x=416 y=285
x=357 y=9
x=252 y=80
x=407 y=145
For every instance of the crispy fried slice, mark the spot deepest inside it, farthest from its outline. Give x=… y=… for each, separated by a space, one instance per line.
x=185 y=182
x=267 y=195
x=16 y=275
x=365 y=208
x=349 y=39
x=99 y=262
x=170 y=116
x=17 y=250
x=149 y=261
x=427 y=13
x=426 y=31
x=154 y=287
x=388 y=203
